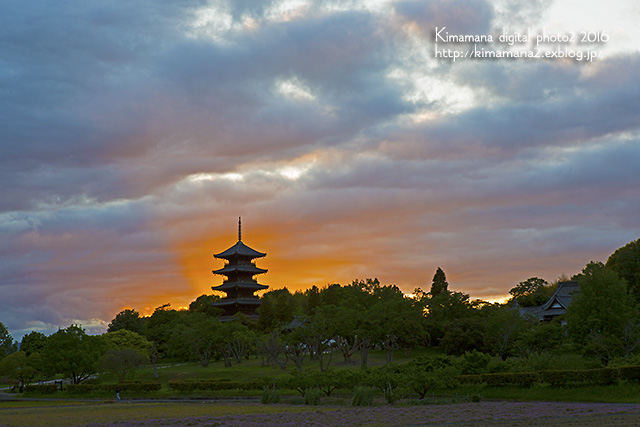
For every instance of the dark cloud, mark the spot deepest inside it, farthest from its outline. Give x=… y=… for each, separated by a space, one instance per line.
x=132 y=137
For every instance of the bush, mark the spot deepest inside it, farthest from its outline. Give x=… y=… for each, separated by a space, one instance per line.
x=188 y=386
x=521 y=379
x=312 y=396
x=474 y=362
x=41 y=388
x=470 y=379
x=363 y=396
x=270 y=395
x=603 y=376
x=134 y=387
x=629 y=373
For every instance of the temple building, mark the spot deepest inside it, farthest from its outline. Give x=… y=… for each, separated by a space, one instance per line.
x=557 y=304
x=239 y=284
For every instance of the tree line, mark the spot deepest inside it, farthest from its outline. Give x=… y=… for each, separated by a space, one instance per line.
x=341 y=324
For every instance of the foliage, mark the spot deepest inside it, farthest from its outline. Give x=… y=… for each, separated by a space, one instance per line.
x=188 y=386
x=439 y=283
x=124 y=338
x=124 y=387
x=363 y=396
x=128 y=319
x=504 y=324
x=278 y=308
x=312 y=396
x=531 y=292
x=626 y=262
x=204 y=304
x=123 y=362
x=159 y=327
x=7 y=344
x=73 y=353
x=33 y=342
x=197 y=335
x=20 y=367
x=423 y=375
x=270 y=395
x=474 y=362
x=463 y=335
x=598 y=314
x=539 y=337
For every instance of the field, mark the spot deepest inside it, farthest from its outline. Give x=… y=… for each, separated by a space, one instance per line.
x=538 y=405
x=209 y=413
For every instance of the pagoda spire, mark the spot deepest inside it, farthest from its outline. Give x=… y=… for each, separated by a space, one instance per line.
x=239 y=229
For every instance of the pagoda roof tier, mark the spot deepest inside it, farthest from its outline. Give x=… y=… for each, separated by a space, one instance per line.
x=240 y=301
x=240 y=249
x=243 y=285
x=240 y=268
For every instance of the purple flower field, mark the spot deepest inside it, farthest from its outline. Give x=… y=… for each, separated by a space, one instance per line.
x=476 y=414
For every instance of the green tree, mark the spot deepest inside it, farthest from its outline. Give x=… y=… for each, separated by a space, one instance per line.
x=124 y=338
x=626 y=262
x=504 y=324
x=599 y=312
x=123 y=362
x=128 y=319
x=532 y=292
x=204 y=304
x=7 y=344
x=20 y=367
x=425 y=374
x=278 y=308
x=197 y=335
x=159 y=327
x=33 y=342
x=439 y=284
x=73 y=353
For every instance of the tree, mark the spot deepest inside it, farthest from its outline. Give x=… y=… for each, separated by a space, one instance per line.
x=198 y=335
x=626 y=262
x=20 y=367
x=598 y=314
x=73 y=353
x=425 y=374
x=124 y=338
x=128 y=319
x=123 y=362
x=159 y=327
x=33 y=342
x=277 y=309
x=439 y=284
x=532 y=292
x=504 y=324
x=204 y=304
x=7 y=344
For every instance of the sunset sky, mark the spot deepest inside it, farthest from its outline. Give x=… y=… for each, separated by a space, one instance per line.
x=134 y=134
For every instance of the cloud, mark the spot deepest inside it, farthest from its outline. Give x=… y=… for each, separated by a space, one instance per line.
x=133 y=136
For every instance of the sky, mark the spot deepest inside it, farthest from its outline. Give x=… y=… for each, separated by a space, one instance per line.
x=134 y=134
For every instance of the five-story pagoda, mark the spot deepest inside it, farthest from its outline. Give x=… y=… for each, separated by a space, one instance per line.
x=239 y=284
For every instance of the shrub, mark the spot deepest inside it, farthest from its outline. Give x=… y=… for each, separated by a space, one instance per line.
x=270 y=395
x=522 y=379
x=629 y=373
x=188 y=386
x=312 y=396
x=474 y=362
x=363 y=396
x=134 y=387
x=41 y=388
x=603 y=376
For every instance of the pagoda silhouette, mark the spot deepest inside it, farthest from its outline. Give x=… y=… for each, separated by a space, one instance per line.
x=239 y=284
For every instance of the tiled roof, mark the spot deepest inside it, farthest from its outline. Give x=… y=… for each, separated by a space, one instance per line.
x=240 y=249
